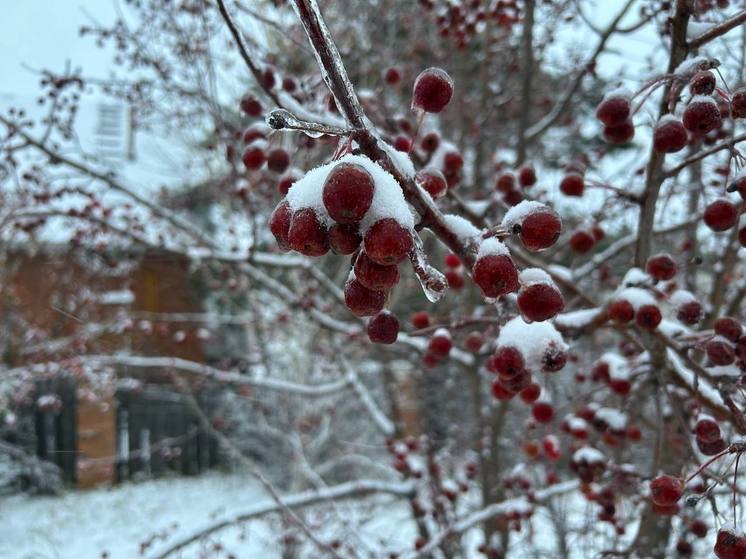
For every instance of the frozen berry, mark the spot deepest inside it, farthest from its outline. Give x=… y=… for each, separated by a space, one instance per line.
x=669 y=136
x=496 y=275
x=621 y=311
x=728 y=545
x=542 y=412
x=387 y=242
x=701 y=115
x=433 y=181
x=666 y=490
x=702 y=83
x=613 y=109
x=430 y=142
x=392 y=76
x=619 y=133
x=500 y=392
x=420 y=319
x=738 y=103
x=278 y=160
x=572 y=184
x=507 y=361
x=648 y=317
x=539 y=302
x=698 y=527
x=285 y=182
x=348 y=192
x=362 y=301
x=707 y=430
x=279 y=224
x=474 y=341
x=553 y=359
x=253 y=157
x=251 y=105
x=452 y=260
x=452 y=161
x=689 y=313
x=257 y=131
x=540 y=230
x=383 y=328
x=505 y=183
x=433 y=90
x=344 y=238
x=728 y=327
x=721 y=215
x=661 y=267
x=307 y=234
x=582 y=242
x=441 y=343
x=375 y=276
x=455 y=279
x=527 y=176
x=531 y=393
x=402 y=143
x=289 y=84
x=720 y=352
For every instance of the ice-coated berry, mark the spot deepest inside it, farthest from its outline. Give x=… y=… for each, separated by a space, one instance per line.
x=453 y=162
x=669 y=136
x=455 y=278
x=375 y=276
x=279 y=224
x=613 y=109
x=507 y=361
x=362 y=301
x=728 y=327
x=738 y=103
x=286 y=181
x=500 y=392
x=728 y=545
x=420 y=319
x=432 y=91
x=707 y=430
x=698 y=527
x=702 y=83
x=251 y=105
x=531 y=393
x=496 y=275
x=433 y=181
x=666 y=490
x=430 y=142
x=257 y=131
x=307 y=234
x=621 y=311
x=440 y=344
x=720 y=352
x=554 y=358
x=540 y=301
x=701 y=115
x=619 y=133
x=387 y=242
x=661 y=267
x=527 y=176
x=402 y=143
x=540 y=230
x=505 y=183
x=572 y=184
x=278 y=160
x=542 y=412
x=689 y=313
x=344 y=238
x=253 y=157
x=474 y=341
x=348 y=192
x=582 y=242
x=721 y=215
x=392 y=76
x=648 y=317
x=383 y=328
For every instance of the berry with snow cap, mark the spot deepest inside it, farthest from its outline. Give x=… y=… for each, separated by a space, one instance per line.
x=348 y=192
x=432 y=91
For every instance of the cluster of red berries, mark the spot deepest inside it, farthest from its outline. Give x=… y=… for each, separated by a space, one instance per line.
x=573 y=181
x=507 y=184
x=707 y=434
x=614 y=111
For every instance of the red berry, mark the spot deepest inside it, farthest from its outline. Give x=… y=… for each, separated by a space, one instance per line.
x=474 y=342
x=307 y=234
x=285 y=182
x=452 y=162
x=344 y=238
x=392 y=76
x=500 y=392
x=540 y=230
x=742 y=236
x=253 y=157
x=531 y=393
x=666 y=490
x=613 y=110
x=720 y=352
x=430 y=142
x=572 y=184
x=648 y=317
x=452 y=260
x=362 y=301
x=455 y=279
x=729 y=546
x=554 y=359
x=739 y=185
x=728 y=327
x=507 y=361
x=542 y=412
x=496 y=275
x=441 y=343
x=582 y=242
x=268 y=77
x=527 y=176
x=289 y=84
x=518 y=382
x=669 y=136
x=387 y=242
x=698 y=528
x=713 y=448
x=348 y=192
x=513 y=198
x=702 y=115
x=738 y=103
x=257 y=131
x=433 y=181
x=278 y=160
x=251 y=105
x=707 y=430
x=661 y=267
x=383 y=328
x=703 y=83
x=539 y=302
x=279 y=224
x=420 y=319
x=433 y=90
x=621 y=311
x=505 y=183
x=375 y=276
x=619 y=133
x=402 y=143
x=684 y=548
x=634 y=434
x=689 y=313
x=721 y=215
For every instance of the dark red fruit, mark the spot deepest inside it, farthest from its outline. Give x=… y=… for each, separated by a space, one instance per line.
x=621 y=311
x=713 y=448
x=452 y=260
x=387 y=242
x=383 y=328
x=420 y=319
x=542 y=412
x=279 y=224
x=251 y=105
x=648 y=317
x=257 y=131
x=540 y=230
x=707 y=430
x=285 y=182
x=527 y=176
x=455 y=279
x=728 y=545
x=572 y=184
x=307 y=234
x=540 y=301
x=430 y=142
x=684 y=548
x=362 y=301
x=669 y=136
x=698 y=527
x=689 y=313
x=619 y=133
x=721 y=215
x=268 y=77
x=507 y=361
x=289 y=84
x=452 y=162
x=253 y=157
x=613 y=110
x=500 y=392
x=582 y=242
x=728 y=327
x=440 y=344
x=344 y=238
x=701 y=115
x=375 y=276
x=738 y=103
x=666 y=490
x=278 y=160
x=402 y=143
x=433 y=181
x=703 y=83
x=348 y=192
x=474 y=341
x=432 y=91
x=392 y=76
x=720 y=352
x=661 y=267
x=531 y=393
x=505 y=183
x=496 y=275
x=554 y=359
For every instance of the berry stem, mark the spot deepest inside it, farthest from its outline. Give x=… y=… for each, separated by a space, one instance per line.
x=710 y=461
x=420 y=118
